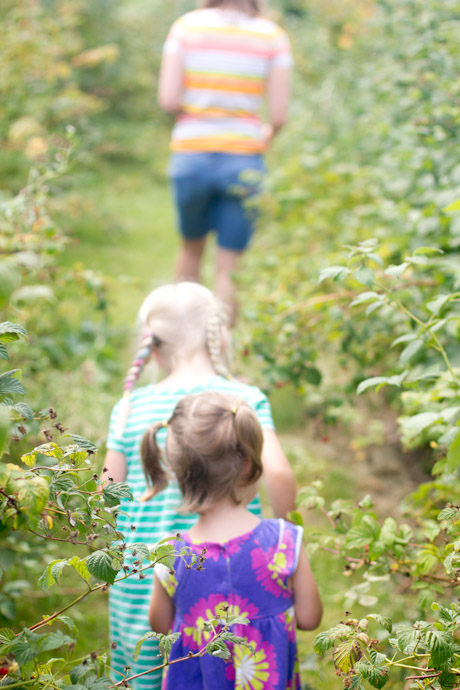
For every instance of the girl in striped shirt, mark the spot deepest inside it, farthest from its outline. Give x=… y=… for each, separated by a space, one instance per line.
x=219 y=64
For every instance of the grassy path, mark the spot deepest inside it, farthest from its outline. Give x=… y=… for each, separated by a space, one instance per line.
x=127 y=231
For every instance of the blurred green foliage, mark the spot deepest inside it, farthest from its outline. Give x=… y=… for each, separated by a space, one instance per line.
x=349 y=296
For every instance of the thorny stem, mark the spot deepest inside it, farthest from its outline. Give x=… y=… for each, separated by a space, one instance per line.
x=329 y=518
x=69 y=541
x=200 y=653
x=47 y=620
x=61 y=469
x=336 y=552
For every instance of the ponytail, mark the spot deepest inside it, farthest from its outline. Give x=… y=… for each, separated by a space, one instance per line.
x=155 y=473
x=249 y=437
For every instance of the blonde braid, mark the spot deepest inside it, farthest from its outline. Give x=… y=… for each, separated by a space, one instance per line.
x=214 y=341
x=148 y=342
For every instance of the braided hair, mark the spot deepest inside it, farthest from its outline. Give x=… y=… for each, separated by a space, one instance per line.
x=176 y=320
x=148 y=342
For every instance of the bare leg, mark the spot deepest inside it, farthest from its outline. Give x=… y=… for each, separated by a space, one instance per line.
x=188 y=265
x=226 y=262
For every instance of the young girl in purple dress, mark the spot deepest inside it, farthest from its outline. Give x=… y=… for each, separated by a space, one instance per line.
x=254 y=568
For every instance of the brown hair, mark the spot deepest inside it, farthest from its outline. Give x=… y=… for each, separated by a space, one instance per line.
x=251 y=7
x=214 y=446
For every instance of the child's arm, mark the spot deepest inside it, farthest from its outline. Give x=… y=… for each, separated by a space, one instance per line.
x=278 y=476
x=161 y=612
x=307 y=602
x=171 y=83
x=114 y=467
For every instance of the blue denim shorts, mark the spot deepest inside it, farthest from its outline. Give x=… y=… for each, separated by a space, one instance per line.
x=212 y=191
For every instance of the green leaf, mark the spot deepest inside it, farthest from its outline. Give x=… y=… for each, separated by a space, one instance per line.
x=51 y=574
x=54 y=640
x=448 y=514
x=379 y=381
x=3 y=352
x=92 y=682
x=327 y=638
x=384 y=621
x=365 y=276
x=333 y=272
x=81 y=567
x=440 y=644
x=396 y=271
x=164 y=554
x=141 y=550
x=377 y=675
x=82 y=443
x=428 y=251
x=148 y=636
x=419 y=422
x=313 y=376
x=426 y=561
x=411 y=350
x=69 y=623
x=79 y=673
x=166 y=643
x=9 y=383
x=100 y=566
x=454 y=206
x=406 y=637
x=114 y=493
x=366 y=297
x=5 y=427
x=9 y=332
x=346 y=655
x=406 y=338
x=437 y=304
x=355 y=683
x=447 y=680
x=296 y=518
x=453 y=454
x=6 y=635
x=24 y=410
x=370 y=383
x=32 y=496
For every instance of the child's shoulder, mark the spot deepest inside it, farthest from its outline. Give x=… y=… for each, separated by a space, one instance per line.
x=281 y=531
x=239 y=388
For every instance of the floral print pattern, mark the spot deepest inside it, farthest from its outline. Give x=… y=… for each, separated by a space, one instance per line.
x=216 y=606
x=247 y=577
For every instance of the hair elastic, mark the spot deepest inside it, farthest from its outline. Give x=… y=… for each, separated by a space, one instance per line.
x=234 y=411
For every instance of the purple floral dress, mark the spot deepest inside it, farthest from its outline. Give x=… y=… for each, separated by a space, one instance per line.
x=249 y=574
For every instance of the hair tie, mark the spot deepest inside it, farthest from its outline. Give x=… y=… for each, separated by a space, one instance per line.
x=164 y=423
x=234 y=411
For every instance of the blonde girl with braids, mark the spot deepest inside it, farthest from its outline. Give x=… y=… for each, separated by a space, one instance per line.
x=183 y=329
x=255 y=569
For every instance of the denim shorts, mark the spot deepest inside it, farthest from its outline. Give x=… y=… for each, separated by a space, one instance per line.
x=217 y=192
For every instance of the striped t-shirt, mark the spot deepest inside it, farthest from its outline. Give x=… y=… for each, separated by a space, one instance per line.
x=227 y=57
x=150 y=521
